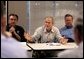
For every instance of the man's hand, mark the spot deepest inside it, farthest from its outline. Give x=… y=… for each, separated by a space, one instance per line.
x=28 y=37
x=63 y=40
x=8 y=34
x=12 y=29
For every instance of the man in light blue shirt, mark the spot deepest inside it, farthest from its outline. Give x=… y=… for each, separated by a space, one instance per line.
x=78 y=35
x=67 y=30
x=10 y=48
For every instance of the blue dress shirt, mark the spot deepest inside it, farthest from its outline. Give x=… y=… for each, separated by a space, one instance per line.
x=67 y=32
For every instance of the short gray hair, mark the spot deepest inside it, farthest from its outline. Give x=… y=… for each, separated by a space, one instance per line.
x=51 y=18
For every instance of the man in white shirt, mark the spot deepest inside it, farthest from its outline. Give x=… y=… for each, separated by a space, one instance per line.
x=78 y=34
x=47 y=33
x=10 y=48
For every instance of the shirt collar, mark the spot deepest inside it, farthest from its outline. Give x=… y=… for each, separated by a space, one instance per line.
x=68 y=27
x=52 y=30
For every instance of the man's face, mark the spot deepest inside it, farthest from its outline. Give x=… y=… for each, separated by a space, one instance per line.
x=12 y=20
x=68 y=21
x=48 y=23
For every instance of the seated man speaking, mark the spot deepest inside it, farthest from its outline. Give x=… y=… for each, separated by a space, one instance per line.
x=46 y=33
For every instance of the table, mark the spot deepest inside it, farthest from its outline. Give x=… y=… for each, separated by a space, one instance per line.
x=38 y=47
x=51 y=46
